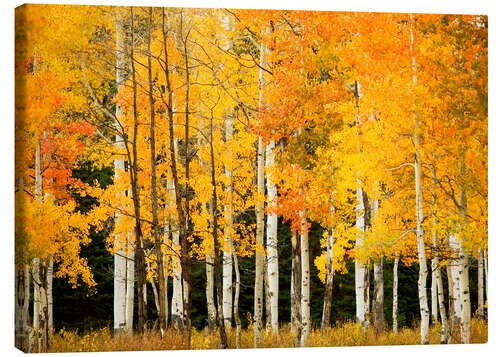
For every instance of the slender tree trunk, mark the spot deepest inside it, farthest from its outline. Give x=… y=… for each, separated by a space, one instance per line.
x=259 y=255
x=395 y=296
x=434 y=300
x=209 y=267
x=327 y=303
x=237 y=299
x=272 y=240
x=259 y=212
x=22 y=286
x=442 y=307
x=185 y=259
x=305 y=303
x=218 y=279
x=436 y=270
x=180 y=221
x=485 y=258
x=360 y=271
x=154 y=196
x=120 y=258
x=177 y=293
x=50 y=299
x=436 y=267
x=452 y=318
x=378 y=282
x=267 y=299
x=464 y=262
x=227 y=276
x=133 y=172
x=378 y=294
x=296 y=289
x=130 y=282
x=422 y=277
x=480 y=286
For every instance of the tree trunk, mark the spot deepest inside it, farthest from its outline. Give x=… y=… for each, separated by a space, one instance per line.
x=434 y=301
x=305 y=303
x=485 y=257
x=452 y=310
x=218 y=279
x=50 y=299
x=395 y=296
x=237 y=299
x=272 y=240
x=177 y=299
x=259 y=213
x=480 y=286
x=296 y=289
x=442 y=307
x=227 y=275
x=378 y=294
x=185 y=245
x=140 y=266
x=212 y=312
x=360 y=271
x=327 y=303
x=259 y=254
x=422 y=277
x=436 y=270
x=154 y=196
x=464 y=261
x=22 y=290
x=120 y=258
x=129 y=288
x=267 y=299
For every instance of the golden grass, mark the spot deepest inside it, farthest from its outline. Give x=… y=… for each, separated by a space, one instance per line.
x=346 y=334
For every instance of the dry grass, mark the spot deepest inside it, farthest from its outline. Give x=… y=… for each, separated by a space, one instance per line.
x=346 y=334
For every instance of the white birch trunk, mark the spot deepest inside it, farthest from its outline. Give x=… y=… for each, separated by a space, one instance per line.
x=36 y=261
x=227 y=259
x=259 y=212
x=464 y=295
x=50 y=299
x=436 y=270
x=422 y=276
x=464 y=263
x=360 y=268
x=442 y=307
x=120 y=263
x=395 y=296
x=129 y=287
x=485 y=257
x=259 y=256
x=177 y=293
x=327 y=303
x=455 y=276
x=434 y=299
x=480 y=286
x=272 y=240
x=378 y=294
x=212 y=312
x=305 y=303
x=295 y=289
x=165 y=265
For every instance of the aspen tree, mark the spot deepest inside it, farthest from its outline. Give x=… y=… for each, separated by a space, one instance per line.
x=120 y=256
x=305 y=285
x=422 y=291
x=395 y=296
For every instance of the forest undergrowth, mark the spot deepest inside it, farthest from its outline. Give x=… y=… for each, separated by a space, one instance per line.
x=342 y=334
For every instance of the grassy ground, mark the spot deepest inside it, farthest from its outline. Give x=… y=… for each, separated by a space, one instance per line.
x=347 y=334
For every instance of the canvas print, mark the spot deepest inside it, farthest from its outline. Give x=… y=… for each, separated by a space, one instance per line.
x=221 y=178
